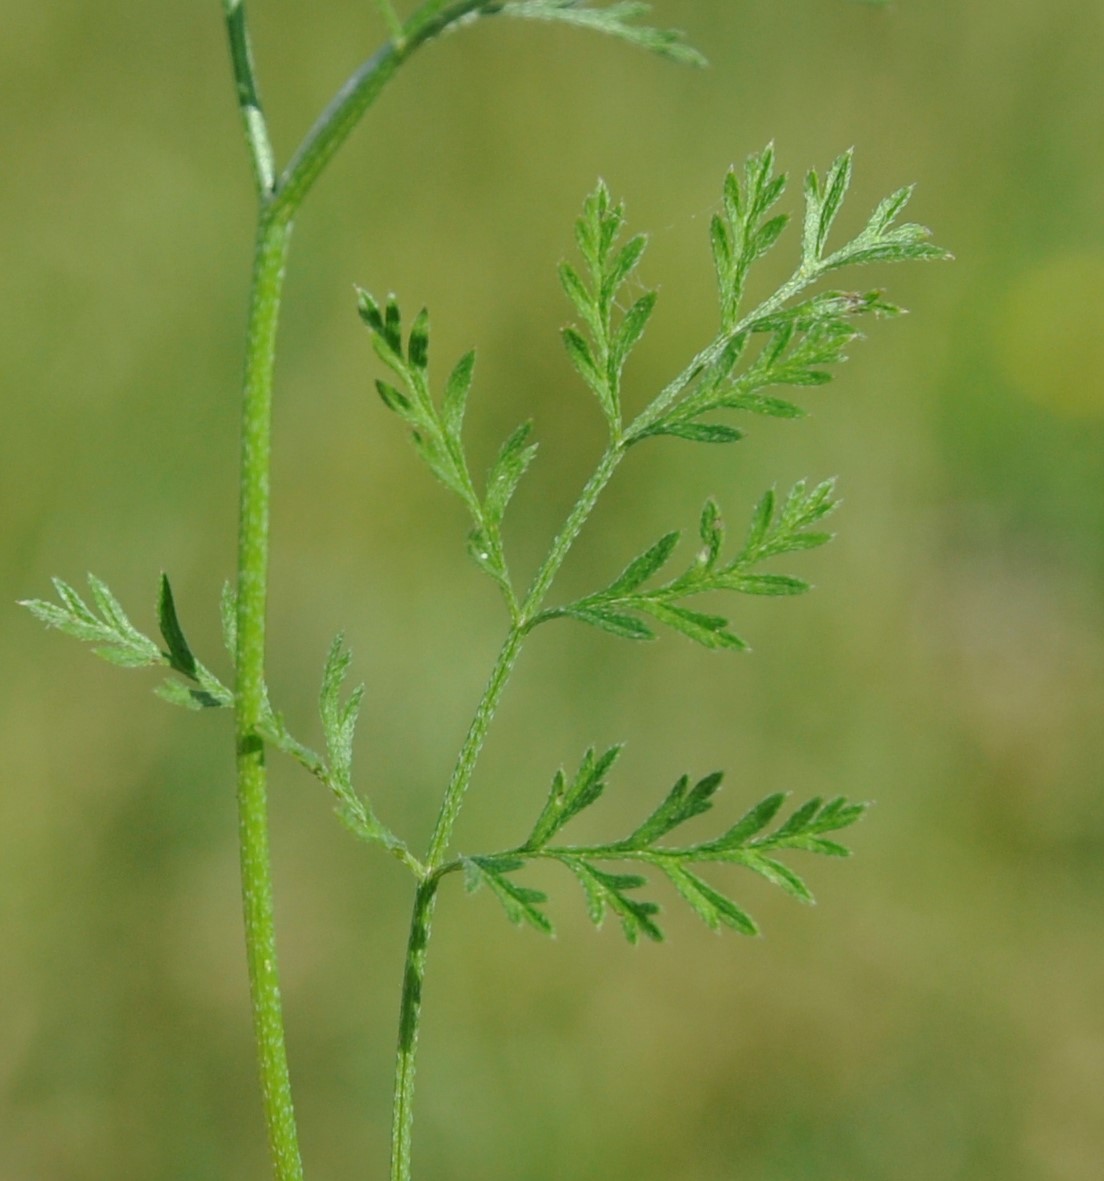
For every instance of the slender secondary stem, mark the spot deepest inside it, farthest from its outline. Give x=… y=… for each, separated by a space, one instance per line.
x=391 y=20
x=567 y=535
x=473 y=744
x=345 y=111
x=507 y=657
x=249 y=101
x=409 y=1020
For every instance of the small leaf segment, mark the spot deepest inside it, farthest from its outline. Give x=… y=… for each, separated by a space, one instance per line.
x=436 y=432
x=601 y=360
x=750 y=842
x=615 y=20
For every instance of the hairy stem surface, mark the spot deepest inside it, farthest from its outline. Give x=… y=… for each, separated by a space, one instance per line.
x=409 y=1021
x=421 y=916
x=260 y=935
x=278 y=202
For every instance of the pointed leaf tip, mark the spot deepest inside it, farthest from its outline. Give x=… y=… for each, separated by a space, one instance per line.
x=180 y=655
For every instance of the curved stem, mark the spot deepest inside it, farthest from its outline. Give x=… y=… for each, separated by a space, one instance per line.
x=260 y=935
x=344 y=112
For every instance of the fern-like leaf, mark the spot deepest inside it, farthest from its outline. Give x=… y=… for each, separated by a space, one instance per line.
x=105 y=624
x=436 y=430
x=772 y=531
x=753 y=842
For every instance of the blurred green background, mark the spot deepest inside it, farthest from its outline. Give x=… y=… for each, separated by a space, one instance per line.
x=940 y=1014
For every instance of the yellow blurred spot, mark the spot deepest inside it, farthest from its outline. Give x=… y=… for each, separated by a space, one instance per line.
x=1049 y=334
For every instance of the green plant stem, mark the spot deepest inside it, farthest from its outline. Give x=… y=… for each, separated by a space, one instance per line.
x=425 y=897
x=572 y=526
x=260 y=935
x=473 y=744
x=278 y=203
x=391 y=20
x=422 y=913
x=409 y=1021
x=347 y=108
x=249 y=102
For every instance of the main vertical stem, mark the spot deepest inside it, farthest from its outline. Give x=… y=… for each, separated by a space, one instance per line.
x=273 y=235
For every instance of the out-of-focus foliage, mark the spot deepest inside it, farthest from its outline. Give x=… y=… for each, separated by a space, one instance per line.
x=940 y=1015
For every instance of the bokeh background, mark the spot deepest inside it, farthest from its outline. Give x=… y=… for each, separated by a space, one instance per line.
x=939 y=1014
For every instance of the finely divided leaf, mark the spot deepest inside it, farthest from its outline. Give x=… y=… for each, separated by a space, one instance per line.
x=752 y=822
x=339 y=717
x=631 y=330
x=748 y=843
x=579 y=352
x=806 y=337
x=615 y=622
x=822 y=203
x=700 y=432
x=619 y=606
x=708 y=630
x=614 y=274
x=514 y=457
x=118 y=641
x=436 y=431
x=612 y=335
x=456 y=393
x=777 y=874
x=417 y=348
